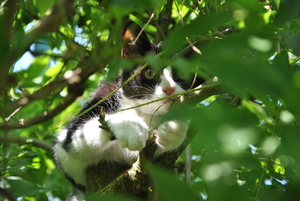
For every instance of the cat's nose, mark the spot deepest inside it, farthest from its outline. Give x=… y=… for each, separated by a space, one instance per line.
x=168 y=90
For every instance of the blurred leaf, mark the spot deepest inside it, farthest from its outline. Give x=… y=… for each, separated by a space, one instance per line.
x=37 y=67
x=201 y=25
x=287 y=10
x=259 y=111
x=180 y=191
x=252 y=5
x=22 y=188
x=42 y=6
x=113 y=198
x=246 y=151
x=133 y=3
x=291 y=41
x=289 y=138
x=53 y=71
x=117 y=64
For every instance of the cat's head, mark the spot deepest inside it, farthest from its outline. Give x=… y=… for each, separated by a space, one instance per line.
x=149 y=85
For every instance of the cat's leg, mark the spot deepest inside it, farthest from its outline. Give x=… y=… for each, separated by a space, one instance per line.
x=87 y=146
x=129 y=128
x=170 y=135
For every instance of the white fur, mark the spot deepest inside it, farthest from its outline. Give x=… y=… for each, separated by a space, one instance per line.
x=129 y=128
x=170 y=135
x=90 y=144
x=149 y=111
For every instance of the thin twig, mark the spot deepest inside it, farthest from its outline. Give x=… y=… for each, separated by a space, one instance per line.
x=193 y=46
x=48 y=23
x=214 y=87
x=43 y=92
x=23 y=123
x=188 y=164
x=135 y=180
x=111 y=93
x=103 y=123
x=142 y=30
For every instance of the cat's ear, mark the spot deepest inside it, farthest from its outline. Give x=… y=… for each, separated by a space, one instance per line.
x=135 y=41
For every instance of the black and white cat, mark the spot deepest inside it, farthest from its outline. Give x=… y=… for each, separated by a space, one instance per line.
x=82 y=143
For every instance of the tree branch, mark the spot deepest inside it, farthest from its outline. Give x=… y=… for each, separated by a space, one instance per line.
x=23 y=123
x=54 y=17
x=43 y=92
x=23 y=140
x=5 y=193
x=126 y=181
x=75 y=83
x=6 y=21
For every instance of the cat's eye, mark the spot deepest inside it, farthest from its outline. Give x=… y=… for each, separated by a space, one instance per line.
x=149 y=74
x=183 y=76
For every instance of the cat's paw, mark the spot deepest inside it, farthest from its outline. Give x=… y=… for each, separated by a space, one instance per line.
x=131 y=134
x=171 y=134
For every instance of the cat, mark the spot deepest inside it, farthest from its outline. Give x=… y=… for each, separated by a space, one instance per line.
x=82 y=143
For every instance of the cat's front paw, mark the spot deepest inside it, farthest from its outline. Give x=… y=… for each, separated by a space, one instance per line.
x=131 y=134
x=171 y=134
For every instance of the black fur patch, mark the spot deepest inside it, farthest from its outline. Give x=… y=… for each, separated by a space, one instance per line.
x=110 y=105
x=140 y=86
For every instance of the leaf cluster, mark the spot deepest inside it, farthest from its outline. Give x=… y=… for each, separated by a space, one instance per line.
x=246 y=141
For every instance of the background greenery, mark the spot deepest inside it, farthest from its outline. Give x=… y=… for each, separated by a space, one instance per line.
x=53 y=54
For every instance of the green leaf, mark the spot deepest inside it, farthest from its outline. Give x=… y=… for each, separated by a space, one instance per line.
x=199 y=26
x=132 y=3
x=22 y=188
x=287 y=10
x=170 y=188
x=42 y=6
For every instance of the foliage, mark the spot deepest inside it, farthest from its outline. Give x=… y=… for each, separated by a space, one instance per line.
x=247 y=144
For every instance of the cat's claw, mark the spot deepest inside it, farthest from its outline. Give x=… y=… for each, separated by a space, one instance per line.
x=171 y=134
